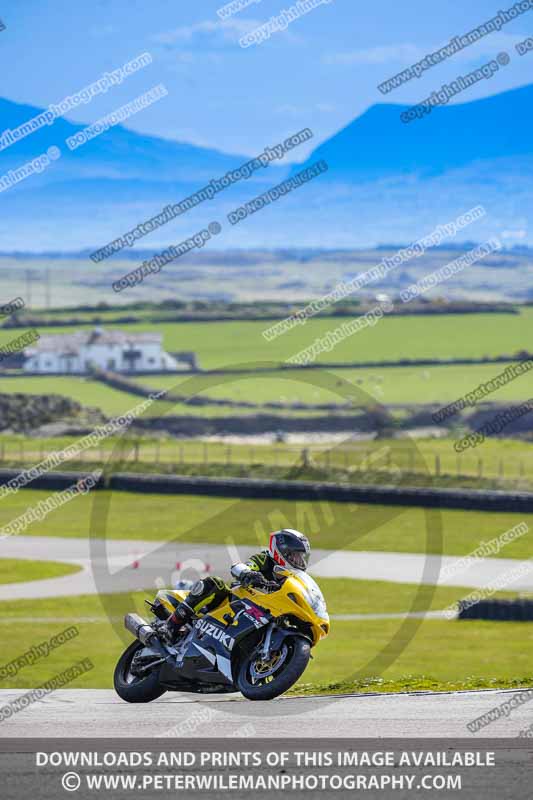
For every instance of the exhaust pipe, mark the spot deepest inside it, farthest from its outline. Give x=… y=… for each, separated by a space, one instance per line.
x=137 y=626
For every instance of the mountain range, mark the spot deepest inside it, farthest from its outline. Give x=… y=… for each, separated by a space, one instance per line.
x=387 y=181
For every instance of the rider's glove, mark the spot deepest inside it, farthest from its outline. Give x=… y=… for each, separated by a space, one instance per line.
x=253 y=578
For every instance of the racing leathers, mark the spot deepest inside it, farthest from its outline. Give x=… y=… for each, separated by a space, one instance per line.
x=209 y=593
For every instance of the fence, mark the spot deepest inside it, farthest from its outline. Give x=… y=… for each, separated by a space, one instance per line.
x=364 y=457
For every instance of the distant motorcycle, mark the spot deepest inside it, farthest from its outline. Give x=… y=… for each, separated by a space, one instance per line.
x=258 y=642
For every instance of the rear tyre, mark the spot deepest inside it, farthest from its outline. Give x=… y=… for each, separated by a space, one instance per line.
x=131 y=688
x=259 y=681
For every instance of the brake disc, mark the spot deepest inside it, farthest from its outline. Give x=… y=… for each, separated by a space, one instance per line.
x=260 y=669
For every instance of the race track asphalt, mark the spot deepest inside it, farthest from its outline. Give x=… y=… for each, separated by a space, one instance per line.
x=100 y=713
x=110 y=569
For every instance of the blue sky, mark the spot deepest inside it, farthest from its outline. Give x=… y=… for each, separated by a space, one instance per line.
x=321 y=72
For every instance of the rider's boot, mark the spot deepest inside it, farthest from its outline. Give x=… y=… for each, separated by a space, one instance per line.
x=181 y=616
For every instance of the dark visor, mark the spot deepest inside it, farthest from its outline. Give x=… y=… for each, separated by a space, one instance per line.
x=297 y=558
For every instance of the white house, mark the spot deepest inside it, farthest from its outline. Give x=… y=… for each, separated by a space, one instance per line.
x=76 y=353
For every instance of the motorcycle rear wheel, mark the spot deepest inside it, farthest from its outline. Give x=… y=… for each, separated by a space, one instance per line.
x=131 y=688
x=276 y=682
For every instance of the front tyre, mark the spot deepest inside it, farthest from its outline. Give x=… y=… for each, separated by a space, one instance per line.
x=264 y=680
x=132 y=688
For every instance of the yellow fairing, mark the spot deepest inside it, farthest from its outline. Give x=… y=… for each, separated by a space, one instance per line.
x=289 y=599
x=170 y=598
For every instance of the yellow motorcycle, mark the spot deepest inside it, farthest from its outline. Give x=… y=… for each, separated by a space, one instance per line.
x=258 y=642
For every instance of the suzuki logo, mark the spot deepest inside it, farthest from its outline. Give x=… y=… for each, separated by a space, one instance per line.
x=256 y=613
x=216 y=633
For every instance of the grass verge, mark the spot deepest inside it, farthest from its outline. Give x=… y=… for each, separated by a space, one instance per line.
x=18 y=570
x=216 y=520
x=409 y=683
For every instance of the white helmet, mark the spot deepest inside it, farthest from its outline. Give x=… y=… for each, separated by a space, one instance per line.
x=290 y=548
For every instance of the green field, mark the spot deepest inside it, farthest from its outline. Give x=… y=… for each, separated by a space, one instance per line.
x=345 y=596
x=223 y=344
x=443 y=651
x=113 y=402
x=390 y=386
x=189 y=518
x=17 y=570
x=87 y=392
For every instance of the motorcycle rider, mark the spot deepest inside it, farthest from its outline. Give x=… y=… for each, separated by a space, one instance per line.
x=286 y=547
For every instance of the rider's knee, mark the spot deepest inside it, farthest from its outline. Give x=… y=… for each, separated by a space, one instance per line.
x=209 y=585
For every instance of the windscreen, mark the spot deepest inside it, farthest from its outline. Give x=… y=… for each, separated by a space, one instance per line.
x=313 y=593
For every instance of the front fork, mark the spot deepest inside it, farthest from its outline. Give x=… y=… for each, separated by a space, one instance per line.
x=265 y=650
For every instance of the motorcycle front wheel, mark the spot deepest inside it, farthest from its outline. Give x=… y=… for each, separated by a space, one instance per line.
x=132 y=688
x=263 y=680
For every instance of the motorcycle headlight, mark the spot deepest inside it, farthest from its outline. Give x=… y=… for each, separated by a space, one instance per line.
x=317 y=603
x=312 y=594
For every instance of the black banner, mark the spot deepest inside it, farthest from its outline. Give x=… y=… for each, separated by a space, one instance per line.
x=38 y=769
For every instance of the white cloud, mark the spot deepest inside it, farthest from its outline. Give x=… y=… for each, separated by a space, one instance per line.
x=326 y=108
x=180 y=60
x=407 y=54
x=185 y=57
x=490 y=46
x=222 y=31
x=516 y=235
x=102 y=30
x=378 y=55
x=188 y=135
